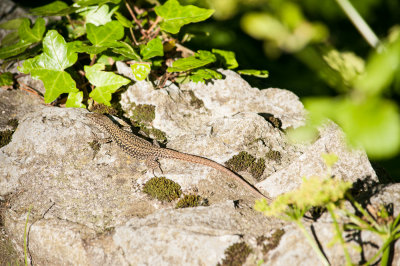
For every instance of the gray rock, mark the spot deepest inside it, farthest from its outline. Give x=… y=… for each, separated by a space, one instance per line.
x=88 y=207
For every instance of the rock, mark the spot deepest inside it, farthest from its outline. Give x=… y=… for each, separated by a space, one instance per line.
x=87 y=204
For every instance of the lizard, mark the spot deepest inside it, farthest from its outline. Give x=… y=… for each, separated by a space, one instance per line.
x=142 y=149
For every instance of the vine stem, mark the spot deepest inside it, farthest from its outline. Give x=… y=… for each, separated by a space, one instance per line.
x=312 y=243
x=359 y=22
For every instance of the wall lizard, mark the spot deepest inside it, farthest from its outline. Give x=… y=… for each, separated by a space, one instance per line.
x=144 y=150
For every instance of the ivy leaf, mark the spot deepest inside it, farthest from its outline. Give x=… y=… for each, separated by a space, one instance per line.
x=56 y=8
x=84 y=3
x=140 y=70
x=106 y=83
x=123 y=20
x=81 y=47
x=32 y=35
x=201 y=58
x=100 y=15
x=49 y=66
x=254 y=72
x=201 y=75
x=12 y=24
x=14 y=49
x=75 y=100
x=153 y=48
x=101 y=35
x=175 y=15
x=126 y=50
x=6 y=79
x=227 y=58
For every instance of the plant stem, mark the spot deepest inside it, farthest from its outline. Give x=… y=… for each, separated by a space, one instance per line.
x=359 y=22
x=339 y=234
x=312 y=242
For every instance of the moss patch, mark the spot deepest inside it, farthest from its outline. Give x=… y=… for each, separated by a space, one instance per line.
x=13 y=123
x=245 y=161
x=274 y=155
x=273 y=241
x=144 y=113
x=236 y=254
x=189 y=201
x=194 y=101
x=162 y=189
x=5 y=137
x=103 y=109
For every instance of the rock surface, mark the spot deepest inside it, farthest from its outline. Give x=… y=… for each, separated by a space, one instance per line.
x=88 y=208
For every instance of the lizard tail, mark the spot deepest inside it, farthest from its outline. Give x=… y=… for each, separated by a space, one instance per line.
x=172 y=154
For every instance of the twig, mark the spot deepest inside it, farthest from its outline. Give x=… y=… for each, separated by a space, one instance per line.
x=142 y=31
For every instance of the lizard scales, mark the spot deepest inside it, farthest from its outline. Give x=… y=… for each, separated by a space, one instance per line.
x=144 y=150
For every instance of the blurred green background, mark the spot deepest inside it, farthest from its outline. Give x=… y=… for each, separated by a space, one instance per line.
x=312 y=48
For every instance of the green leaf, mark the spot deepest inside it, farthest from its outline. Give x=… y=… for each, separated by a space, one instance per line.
x=227 y=58
x=123 y=20
x=6 y=79
x=14 y=49
x=175 y=16
x=201 y=75
x=254 y=72
x=101 y=35
x=126 y=50
x=106 y=83
x=12 y=24
x=32 y=35
x=75 y=100
x=141 y=70
x=201 y=58
x=100 y=15
x=10 y=38
x=80 y=47
x=49 y=66
x=56 y=8
x=380 y=69
x=374 y=124
x=153 y=48
x=84 y=3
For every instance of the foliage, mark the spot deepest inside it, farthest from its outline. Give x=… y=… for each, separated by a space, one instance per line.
x=330 y=193
x=76 y=57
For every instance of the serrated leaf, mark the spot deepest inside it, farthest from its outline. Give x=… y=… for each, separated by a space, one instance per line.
x=123 y=20
x=254 y=72
x=6 y=79
x=56 y=8
x=226 y=57
x=101 y=35
x=100 y=15
x=126 y=50
x=34 y=34
x=153 y=48
x=175 y=16
x=201 y=58
x=75 y=100
x=201 y=75
x=14 y=49
x=140 y=70
x=49 y=66
x=12 y=24
x=106 y=83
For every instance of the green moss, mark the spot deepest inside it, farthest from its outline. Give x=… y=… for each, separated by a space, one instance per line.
x=190 y=201
x=155 y=133
x=104 y=109
x=240 y=162
x=144 y=113
x=257 y=168
x=95 y=145
x=194 y=101
x=273 y=241
x=5 y=137
x=13 y=123
x=274 y=155
x=244 y=161
x=162 y=189
x=236 y=254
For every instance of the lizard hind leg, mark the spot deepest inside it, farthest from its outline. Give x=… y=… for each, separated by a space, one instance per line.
x=153 y=164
